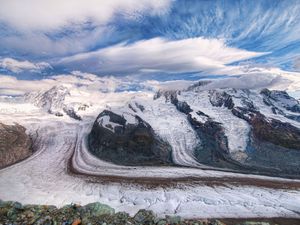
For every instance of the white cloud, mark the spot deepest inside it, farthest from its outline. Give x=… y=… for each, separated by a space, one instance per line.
x=91 y=85
x=159 y=55
x=250 y=78
x=168 y=85
x=257 y=78
x=77 y=80
x=55 y=14
x=19 y=66
x=84 y=88
x=57 y=27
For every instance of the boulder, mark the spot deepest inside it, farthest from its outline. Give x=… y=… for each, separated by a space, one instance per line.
x=97 y=209
x=144 y=217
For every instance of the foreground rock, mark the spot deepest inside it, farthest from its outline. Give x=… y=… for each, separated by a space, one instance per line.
x=97 y=213
x=15 y=144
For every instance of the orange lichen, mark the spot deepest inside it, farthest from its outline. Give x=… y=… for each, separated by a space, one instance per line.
x=76 y=222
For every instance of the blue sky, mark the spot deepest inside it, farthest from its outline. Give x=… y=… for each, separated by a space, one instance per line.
x=148 y=39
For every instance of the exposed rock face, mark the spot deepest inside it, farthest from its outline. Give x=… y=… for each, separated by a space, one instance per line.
x=219 y=99
x=269 y=129
x=280 y=98
x=168 y=95
x=117 y=140
x=71 y=113
x=15 y=144
x=180 y=106
x=281 y=103
x=273 y=145
x=276 y=132
x=213 y=149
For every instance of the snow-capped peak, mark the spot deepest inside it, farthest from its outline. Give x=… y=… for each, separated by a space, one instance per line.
x=53 y=101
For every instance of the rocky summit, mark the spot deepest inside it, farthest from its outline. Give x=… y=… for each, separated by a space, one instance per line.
x=15 y=144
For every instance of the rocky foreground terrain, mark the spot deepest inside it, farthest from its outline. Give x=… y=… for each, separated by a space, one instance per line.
x=15 y=144
x=97 y=213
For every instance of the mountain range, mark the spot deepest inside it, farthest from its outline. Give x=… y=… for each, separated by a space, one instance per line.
x=251 y=131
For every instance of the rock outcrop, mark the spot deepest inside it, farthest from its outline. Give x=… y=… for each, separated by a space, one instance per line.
x=220 y=98
x=15 y=144
x=213 y=149
x=273 y=145
x=134 y=142
x=280 y=98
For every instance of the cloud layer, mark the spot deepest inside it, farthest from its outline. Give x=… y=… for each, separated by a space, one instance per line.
x=51 y=28
x=16 y=66
x=90 y=83
x=41 y=15
x=153 y=39
x=10 y=85
x=159 y=55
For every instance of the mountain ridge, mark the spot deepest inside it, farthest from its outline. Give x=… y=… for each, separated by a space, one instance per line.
x=231 y=128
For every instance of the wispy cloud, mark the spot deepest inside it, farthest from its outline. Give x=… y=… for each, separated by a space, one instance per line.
x=159 y=55
x=52 y=28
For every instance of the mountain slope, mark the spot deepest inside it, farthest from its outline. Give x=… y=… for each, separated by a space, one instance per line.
x=245 y=130
x=53 y=101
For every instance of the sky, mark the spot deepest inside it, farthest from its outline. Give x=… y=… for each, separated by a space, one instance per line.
x=249 y=44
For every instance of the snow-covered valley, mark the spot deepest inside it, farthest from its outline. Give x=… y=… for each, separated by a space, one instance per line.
x=63 y=171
